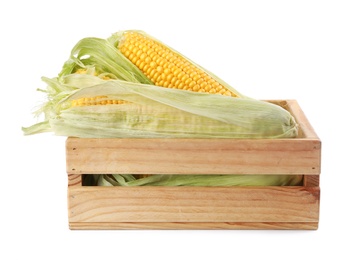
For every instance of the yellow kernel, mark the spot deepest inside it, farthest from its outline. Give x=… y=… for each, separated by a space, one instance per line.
x=166 y=71
x=134 y=50
x=158 y=59
x=203 y=84
x=134 y=59
x=172 y=68
x=127 y=53
x=185 y=77
x=169 y=56
x=175 y=70
x=153 y=64
x=200 y=81
x=161 y=52
x=210 y=80
x=142 y=56
x=192 y=84
x=123 y=49
x=154 y=56
x=196 y=77
x=152 y=72
x=217 y=86
x=174 y=80
x=147 y=59
x=166 y=52
x=227 y=93
x=195 y=87
x=181 y=85
x=158 y=78
x=147 y=69
x=149 y=51
x=187 y=69
x=187 y=81
x=159 y=69
x=169 y=77
x=142 y=64
x=180 y=75
x=162 y=62
x=172 y=59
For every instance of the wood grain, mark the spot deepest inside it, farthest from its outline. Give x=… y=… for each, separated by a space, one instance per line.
x=311 y=180
x=194 y=225
x=193 y=156
x=193 y=204
x=74 y=180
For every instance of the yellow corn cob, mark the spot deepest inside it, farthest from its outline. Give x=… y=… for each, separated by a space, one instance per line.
x=98 y=100
x=84 y=71
x=166 y=68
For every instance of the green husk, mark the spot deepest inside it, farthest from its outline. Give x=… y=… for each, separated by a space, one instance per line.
x=153 y=111
x=207 y=180
x=102 y=56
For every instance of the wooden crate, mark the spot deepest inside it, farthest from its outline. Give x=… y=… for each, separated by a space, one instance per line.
x=266 y=207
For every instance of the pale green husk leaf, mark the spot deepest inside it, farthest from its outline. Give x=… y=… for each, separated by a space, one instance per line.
x=153 y=111
x=206 y=180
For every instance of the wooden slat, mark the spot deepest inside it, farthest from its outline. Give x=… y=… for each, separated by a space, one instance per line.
x=193 y=204
x=311 y=180
x=193 y=156
x=74 y=180
x=194 y=225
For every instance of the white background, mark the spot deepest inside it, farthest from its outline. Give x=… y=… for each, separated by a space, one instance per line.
x=311 y=51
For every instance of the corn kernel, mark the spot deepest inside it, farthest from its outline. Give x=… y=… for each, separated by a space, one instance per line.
x=165 y=67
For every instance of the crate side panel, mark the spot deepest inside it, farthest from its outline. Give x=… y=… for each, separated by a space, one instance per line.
x=194 y=225
x=193 y=156
x=193 y=204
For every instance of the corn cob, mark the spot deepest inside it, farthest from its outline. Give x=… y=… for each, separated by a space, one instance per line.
x=95 y=101
x=165 y=67
x=121 y=72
